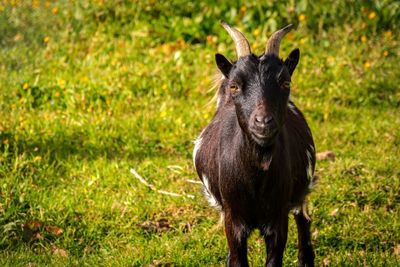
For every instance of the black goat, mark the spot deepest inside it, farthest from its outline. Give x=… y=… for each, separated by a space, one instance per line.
x=256 y=158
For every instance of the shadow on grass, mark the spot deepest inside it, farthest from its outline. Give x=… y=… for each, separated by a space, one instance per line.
x=78 y=145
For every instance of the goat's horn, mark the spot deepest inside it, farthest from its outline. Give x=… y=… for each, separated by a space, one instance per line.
x=241 y=43
x=275 y=40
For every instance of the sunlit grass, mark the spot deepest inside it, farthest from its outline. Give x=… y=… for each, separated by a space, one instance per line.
x=89 y=90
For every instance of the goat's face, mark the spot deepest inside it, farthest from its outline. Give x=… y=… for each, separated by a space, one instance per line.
x=260 y=88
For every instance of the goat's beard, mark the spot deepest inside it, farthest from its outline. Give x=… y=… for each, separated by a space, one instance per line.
x=264 y=141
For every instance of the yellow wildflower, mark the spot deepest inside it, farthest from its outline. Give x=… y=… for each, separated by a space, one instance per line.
x=290 y=36
x=388 y=34
x=302 y=40
x=367 y=65
x=302 y=17
x=35 y=3
x=164 y=87
x=385 y=53
x=363 y=39
x=46 y=39
x=167 y=49
x=257 y=32
x=54 y=10
x=243 y=9
x=363 y=25
x=18 y=37
x=57 y=94
x=25 y=86
x=372 y=15
x=61 y=83
x=37 y=158
x=254 y=46
x=210 y=39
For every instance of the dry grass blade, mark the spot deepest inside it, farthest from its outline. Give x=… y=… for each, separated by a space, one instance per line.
x=193 y=181
x=152 y=187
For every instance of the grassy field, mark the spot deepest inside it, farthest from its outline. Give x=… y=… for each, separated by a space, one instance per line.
x=90 y=89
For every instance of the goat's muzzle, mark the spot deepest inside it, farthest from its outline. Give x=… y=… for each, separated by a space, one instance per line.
x=263 y=128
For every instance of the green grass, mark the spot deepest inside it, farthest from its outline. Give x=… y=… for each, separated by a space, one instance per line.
x=89 y=90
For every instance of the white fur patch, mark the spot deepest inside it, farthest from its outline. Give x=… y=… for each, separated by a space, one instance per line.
x=218 y=101
x=309 y=170
x=296 y=210
x=197 y=143
x=292 y=108
x=209 y=196
x=301 y=209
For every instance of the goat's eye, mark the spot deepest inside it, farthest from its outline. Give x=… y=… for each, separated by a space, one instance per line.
x=286 y=85
x=234 y=88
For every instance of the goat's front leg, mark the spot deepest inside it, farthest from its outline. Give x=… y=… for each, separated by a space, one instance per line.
x=306 y=254
x=237 y=235
x=275 y=239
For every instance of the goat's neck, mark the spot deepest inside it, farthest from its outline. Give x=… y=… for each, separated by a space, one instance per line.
x=255 y=155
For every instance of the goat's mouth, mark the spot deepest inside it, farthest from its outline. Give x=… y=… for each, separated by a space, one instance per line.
x=264 y=139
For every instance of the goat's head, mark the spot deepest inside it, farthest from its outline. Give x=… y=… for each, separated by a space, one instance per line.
x=259 y=86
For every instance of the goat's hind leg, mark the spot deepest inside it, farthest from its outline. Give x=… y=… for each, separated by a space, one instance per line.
x=306 y=254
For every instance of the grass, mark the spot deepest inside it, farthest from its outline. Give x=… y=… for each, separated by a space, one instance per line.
x=89 y=90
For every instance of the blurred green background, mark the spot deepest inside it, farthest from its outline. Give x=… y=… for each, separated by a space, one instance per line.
x=90 y=89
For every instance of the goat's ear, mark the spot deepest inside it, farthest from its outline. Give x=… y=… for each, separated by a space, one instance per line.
x=292 y=60
x=223 y=64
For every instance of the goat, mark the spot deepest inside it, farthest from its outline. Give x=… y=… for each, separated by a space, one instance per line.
x=256 y=158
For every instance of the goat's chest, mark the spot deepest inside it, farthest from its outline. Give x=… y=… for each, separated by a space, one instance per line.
x=253 y=188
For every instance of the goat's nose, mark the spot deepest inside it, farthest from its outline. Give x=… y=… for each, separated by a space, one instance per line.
x=263 y=121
